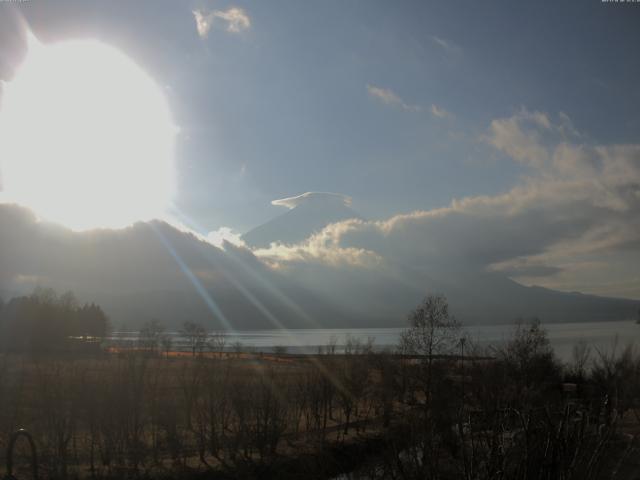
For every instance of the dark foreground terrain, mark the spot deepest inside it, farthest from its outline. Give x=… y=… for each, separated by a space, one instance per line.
x=514 y=414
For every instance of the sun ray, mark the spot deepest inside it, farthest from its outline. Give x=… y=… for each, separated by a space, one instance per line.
x=193 y=279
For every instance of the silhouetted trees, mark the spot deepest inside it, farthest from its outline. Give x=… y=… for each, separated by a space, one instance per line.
x=529 y=363
x=425 y=411
x=196 y=336
x=44 y=322
x=150 y=336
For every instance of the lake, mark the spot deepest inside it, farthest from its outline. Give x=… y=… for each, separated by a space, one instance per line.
x=563 y=336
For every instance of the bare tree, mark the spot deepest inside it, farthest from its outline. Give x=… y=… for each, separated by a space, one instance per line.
x=433 y=332
x=149 y=336
x=196 y=336
x=218 y=341
x=580 y=356
x=167 y=343
x=238 y=347
x=529 y=362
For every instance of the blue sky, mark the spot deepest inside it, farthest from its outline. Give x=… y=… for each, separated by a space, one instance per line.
x=403 y=106
x=282 y=107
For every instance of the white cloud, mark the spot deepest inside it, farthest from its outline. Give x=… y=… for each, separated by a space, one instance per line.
x=324 y=248
x=292 y=202
x=520 y=137
x=225 y=234
x=203 y=22
x=389 y=97
x=235 y=18
x=440 y=112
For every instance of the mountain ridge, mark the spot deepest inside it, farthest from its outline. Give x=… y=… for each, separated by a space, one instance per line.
x=153 y=270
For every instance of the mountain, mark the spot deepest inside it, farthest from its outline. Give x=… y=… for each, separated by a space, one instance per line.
x=153 y=270
x=475 y=297
x=492 y=298
x=308 y=213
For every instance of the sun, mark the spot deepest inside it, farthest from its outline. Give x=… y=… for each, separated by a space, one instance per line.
x=86 y=137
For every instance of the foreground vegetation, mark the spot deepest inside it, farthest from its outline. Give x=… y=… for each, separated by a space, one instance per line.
x=437 y=407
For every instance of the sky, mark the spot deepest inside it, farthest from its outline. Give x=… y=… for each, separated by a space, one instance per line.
x=403 y=106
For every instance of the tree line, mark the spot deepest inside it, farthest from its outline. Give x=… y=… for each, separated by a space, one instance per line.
x=46 y=322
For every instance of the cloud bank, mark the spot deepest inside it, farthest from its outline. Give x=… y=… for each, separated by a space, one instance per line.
x=578 y=201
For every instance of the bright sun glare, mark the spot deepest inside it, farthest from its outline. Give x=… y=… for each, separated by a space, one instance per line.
x=86 y=137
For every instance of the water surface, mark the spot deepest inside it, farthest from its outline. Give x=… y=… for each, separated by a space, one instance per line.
x=602 y=336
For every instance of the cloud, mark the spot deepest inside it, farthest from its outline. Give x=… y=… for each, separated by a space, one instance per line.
x=389 y=97
x=203 y=22
x=561 y=226
x=440 y=112
x=448 y=46
x=579 y=201
x=321 y=248
x=225 y=234
x=152 y=270
x=525 y=268
x=235 y=18
x=316 y=197
x=520 y=137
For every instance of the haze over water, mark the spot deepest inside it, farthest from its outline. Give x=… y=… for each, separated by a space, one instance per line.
x=601 y=336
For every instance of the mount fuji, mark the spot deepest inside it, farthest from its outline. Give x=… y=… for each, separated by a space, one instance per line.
x=308 y=213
